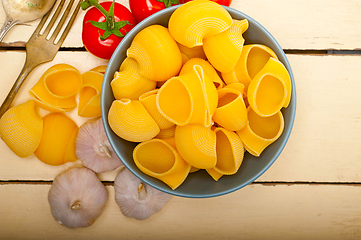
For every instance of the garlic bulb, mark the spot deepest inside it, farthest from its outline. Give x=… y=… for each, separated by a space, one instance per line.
x=137 y=199
x=93 y=148
x=77 y=197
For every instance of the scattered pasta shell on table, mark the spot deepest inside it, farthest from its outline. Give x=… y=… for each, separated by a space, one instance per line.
x=253 y=58
x=160 y=160
x=89 y=94
x=192 y=22
x=57 y=88
x=156 y=53
x=270 y=89
x=100 y=69
x=149 y=101
x=231 y=112
x=57 y=145
x=194 y=96
x=197 y=145
x=207 y=68
x=224 y=49
x=131 y=121
x=128 y=83
x=21 y=129
x=260 y=132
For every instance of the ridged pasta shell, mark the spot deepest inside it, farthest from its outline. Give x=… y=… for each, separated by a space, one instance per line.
x=131 y=121
x=231 y=112
x=270 y=89
x=57 y=144
x=194 y=52
x=188 y=98
x=21 y=129
x=57 y=88
x=156 y=52
x=230 y=151
x=224 y=49
x=237 y=86
x=89 y=94
x=166 y=133
x=100 y=69
x=207 y=68
x=214 y=174
x=149 y=101
x=128 y=83
x=196 y=20
x=260 y=132
x=160 y=160
x=197 y=145
x=253 y=58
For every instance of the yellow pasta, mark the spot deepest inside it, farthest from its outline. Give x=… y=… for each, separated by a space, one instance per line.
x=21 y=129
x=89 y=94
x=214 y=174
x=223 y=50
x=100 y=69
x=128 y=83
x=231 y=112
x=237 y=86
x=166 y=133
x=148 y=100
x=230 y=151
x=194 y=52
x=196 y=20
x=260 y=132
x=156 y=53
x=131 y=121
x=57 y=144
x=160 y=160
x=207 y=68
x=188 y=98
x=270 y=89
x=197 y=145
x=252 y=60
x=57 y=88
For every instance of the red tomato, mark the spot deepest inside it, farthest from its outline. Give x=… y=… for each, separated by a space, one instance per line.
x=91 y=35
x=222 y=2
x=142 y=9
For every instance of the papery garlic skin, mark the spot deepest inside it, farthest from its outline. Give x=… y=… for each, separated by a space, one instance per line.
x=137 y=199
x=77 y=198
x=93 y=148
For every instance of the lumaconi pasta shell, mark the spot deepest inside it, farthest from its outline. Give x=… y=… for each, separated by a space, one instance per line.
x=194 y=96
x=57 y=88
x=194 y=52
x=224 y=49
x=230 y=151
x=160 y=160
x=237 y=86
x=57 y=144
x=166 y=133
x=156 y=52
x=128 y=83
x=214 y=174
x=21 y=129
x=100 y=69
x=197 y=145
x=89 y=94
x=270 y=89
x=131 y=121
x=149 y=101
x=253 y=58
x=196 y=20
x=261 y=131
x=231 y=112
x=207 y=68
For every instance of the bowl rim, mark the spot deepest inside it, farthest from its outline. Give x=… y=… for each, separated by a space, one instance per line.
x=287 y=132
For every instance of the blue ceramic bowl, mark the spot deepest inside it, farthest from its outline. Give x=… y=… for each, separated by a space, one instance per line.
x=200 y=184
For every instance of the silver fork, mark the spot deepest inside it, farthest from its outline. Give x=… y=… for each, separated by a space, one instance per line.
x=39 y=49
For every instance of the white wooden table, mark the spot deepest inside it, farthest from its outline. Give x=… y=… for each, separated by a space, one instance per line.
x=313 y=190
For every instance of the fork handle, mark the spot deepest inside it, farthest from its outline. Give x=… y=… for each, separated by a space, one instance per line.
x=9 y=22
x=14 y=90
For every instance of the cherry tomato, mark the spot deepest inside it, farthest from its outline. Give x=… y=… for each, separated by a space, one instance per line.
x=142 y=9
x=92 y=35
x=221 y=2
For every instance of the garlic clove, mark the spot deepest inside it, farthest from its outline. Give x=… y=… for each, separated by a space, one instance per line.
x=137 y=199
x=93 y=148
x=77 y=198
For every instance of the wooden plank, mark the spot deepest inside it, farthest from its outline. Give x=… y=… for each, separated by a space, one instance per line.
x=254 y=212
x=323 y=147
x=300 y=24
